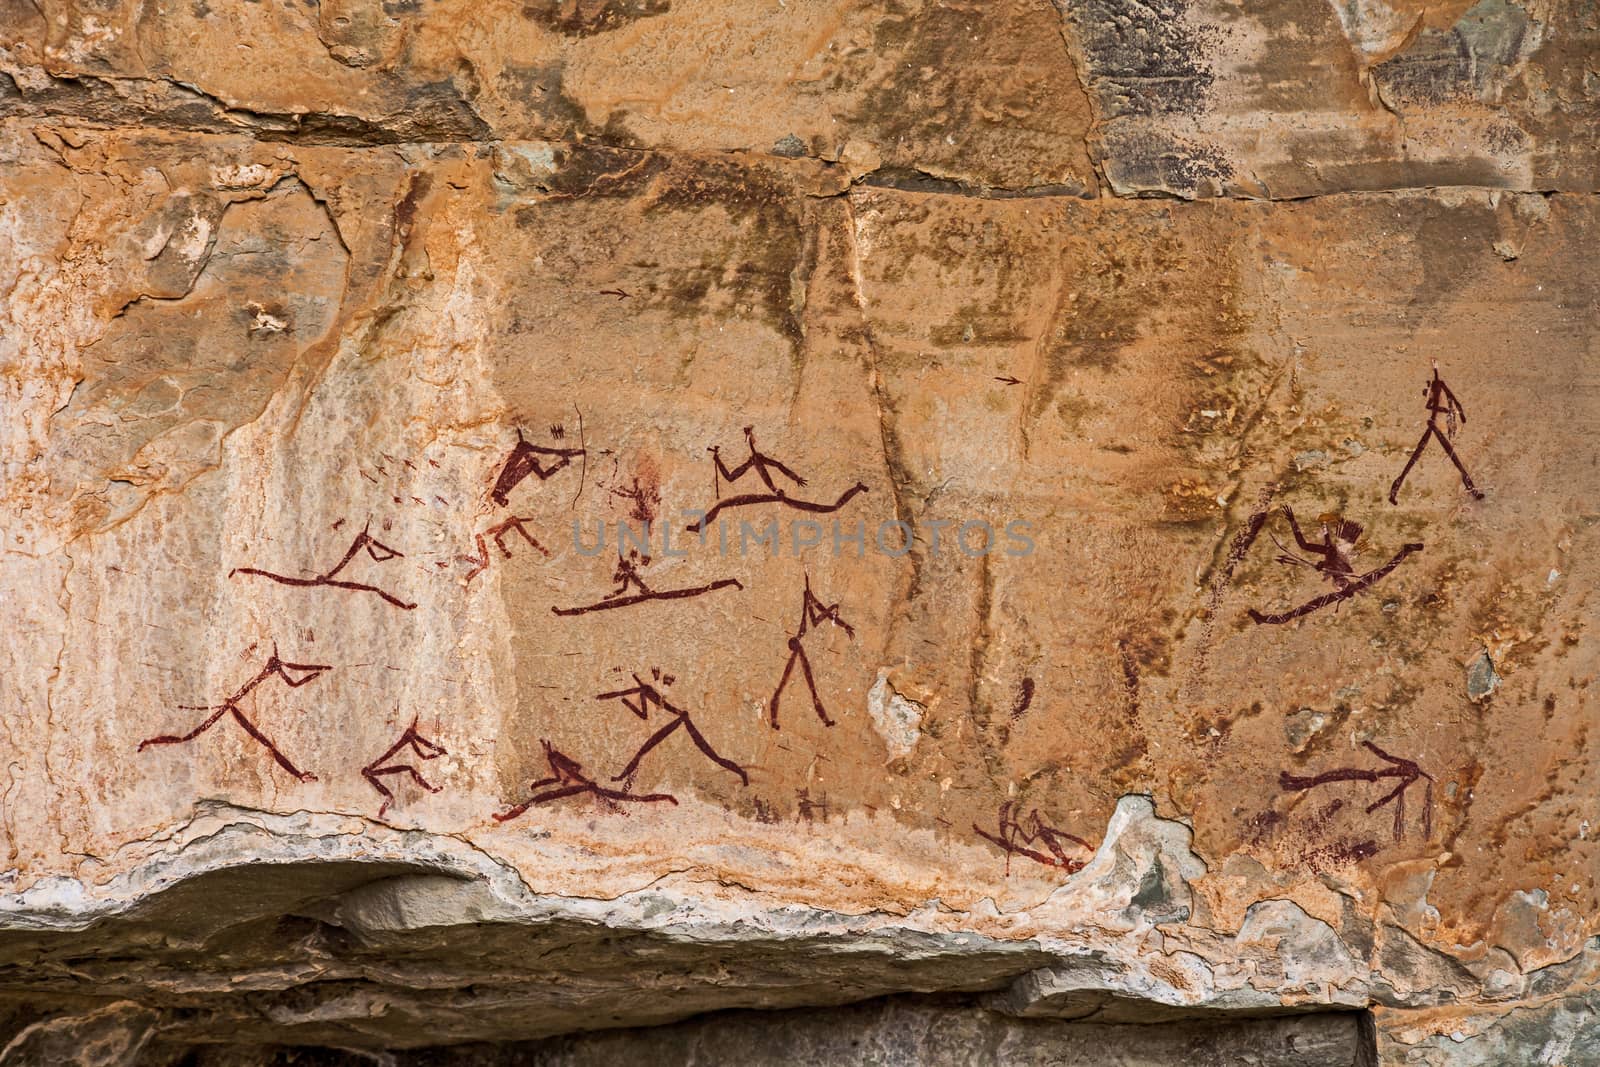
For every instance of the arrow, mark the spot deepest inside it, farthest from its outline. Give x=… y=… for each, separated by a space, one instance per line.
x=1008 y=380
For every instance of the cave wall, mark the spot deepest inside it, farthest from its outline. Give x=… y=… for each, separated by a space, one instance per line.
x=658 y=507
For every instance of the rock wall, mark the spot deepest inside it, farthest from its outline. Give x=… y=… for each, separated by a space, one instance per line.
x=534 y=517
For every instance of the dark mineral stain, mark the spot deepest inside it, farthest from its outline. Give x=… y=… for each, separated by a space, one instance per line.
x=437 y=111
x=1108 y=306
x=561 y=118
x=770 y=246
x=592 y=172
x=405 y=212
x=586 y=18
x=1442 y=235
x=1151 y=159
x=1144 y=59
x=758 y=260
x=1460 y=62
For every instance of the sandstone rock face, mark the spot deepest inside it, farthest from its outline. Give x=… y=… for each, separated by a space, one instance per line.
x=566 y=515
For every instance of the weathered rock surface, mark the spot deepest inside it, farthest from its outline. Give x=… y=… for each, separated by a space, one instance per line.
x=336 y=336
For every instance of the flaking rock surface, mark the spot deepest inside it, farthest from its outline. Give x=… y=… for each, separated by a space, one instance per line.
x=547 y=516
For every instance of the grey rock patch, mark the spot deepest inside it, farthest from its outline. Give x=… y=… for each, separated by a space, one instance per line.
x=790 y=147
x=1482 y=679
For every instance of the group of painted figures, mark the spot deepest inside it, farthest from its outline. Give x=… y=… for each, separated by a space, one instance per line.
x=645 y=698
x=1018 y=834
x=1341 y=537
